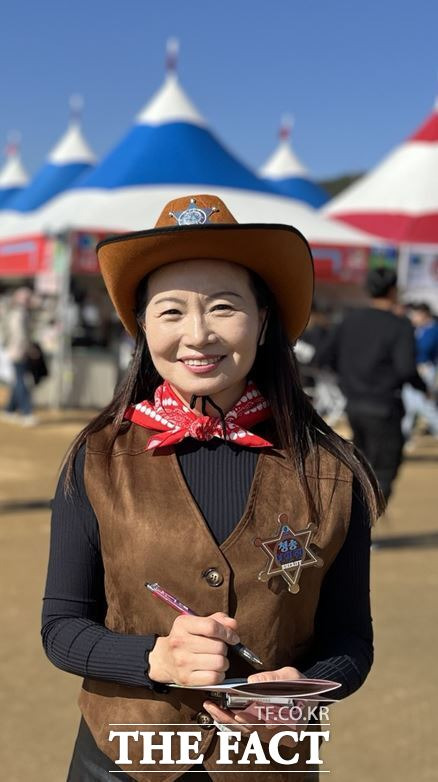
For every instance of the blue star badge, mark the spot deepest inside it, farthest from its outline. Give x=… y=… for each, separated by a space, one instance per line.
x=288 y=553
x=193 y=215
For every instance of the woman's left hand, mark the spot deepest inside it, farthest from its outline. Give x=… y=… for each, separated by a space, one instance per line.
x=247 y=720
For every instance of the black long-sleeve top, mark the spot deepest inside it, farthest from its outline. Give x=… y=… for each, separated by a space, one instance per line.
x=219 y=476
x=373 y=353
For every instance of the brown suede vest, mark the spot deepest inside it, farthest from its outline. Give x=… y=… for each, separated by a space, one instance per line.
x=151 y=529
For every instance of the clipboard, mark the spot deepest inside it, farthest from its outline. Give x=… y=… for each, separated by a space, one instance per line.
x=239 y=693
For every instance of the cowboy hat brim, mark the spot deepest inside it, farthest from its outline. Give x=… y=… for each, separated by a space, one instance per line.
x=279 y=254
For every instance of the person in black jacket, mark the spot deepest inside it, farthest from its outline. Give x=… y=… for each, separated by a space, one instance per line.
x=373 y=352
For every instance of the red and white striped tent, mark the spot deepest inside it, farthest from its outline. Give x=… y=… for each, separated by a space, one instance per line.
x=398 y=199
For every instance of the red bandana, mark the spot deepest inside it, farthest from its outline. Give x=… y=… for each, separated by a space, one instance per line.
x=174 y=419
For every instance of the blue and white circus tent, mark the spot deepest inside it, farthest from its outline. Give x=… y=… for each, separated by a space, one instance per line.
x=170 y=152
x=170 y=144
x=69 y=159
x=13 y=176
x=285 y=172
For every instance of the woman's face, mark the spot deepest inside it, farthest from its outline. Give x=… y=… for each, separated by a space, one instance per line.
x=202 y=326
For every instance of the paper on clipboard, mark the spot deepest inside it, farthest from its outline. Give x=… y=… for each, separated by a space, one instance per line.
x=283 y=691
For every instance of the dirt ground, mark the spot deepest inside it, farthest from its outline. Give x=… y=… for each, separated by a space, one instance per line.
x=386 y=731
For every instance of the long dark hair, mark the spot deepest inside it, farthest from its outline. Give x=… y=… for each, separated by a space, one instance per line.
x=299 y=428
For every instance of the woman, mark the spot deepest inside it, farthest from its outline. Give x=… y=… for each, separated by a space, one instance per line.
x=206 y=469
x=18 y=346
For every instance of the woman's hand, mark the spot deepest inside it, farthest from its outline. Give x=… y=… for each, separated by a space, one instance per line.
x=195 y=651
x=269 y=719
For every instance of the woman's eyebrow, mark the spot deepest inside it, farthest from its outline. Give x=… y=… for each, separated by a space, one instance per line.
x=168 y=298
x=218 y=294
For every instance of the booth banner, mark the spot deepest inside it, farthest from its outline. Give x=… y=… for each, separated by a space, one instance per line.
x=83 y=248
x=50 y=282
x=336 y=264
x=422 y=269
x=25 y=257
x=341 y=264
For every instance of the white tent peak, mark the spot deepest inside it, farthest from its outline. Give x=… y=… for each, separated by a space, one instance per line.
x=283 y=163
x=13 y=173
x=72 y=147
x=170 y=104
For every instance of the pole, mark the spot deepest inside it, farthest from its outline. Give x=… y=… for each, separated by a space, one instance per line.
x=403 y=267
x=63 y=373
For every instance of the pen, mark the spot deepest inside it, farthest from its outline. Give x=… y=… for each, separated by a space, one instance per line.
x=176 y=604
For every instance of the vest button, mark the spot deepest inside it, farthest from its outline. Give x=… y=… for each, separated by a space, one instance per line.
x=213 y=577
x=204 y=719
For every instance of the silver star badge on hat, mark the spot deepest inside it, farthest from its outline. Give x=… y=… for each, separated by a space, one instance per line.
x=193 y=215
x=288 y=553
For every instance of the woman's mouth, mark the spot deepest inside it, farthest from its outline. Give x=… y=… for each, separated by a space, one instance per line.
x=201 y=365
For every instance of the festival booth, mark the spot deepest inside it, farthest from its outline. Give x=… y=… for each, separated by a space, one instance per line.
x=398 y=201
x=169 y=152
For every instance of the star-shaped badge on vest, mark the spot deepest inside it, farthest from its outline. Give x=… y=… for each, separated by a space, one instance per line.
x=288 y=553
x=193 y=215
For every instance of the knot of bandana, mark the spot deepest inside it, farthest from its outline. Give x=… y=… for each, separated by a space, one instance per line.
x=173 y=420
x=203 y=428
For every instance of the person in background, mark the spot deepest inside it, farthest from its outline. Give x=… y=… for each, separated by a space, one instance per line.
x=415 y=401
x=373 y=353
x=307 y=346
x=320 y=385
x=17 y=345
x=426 y=337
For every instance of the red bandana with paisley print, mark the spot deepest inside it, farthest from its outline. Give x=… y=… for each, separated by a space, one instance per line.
x=174 y=420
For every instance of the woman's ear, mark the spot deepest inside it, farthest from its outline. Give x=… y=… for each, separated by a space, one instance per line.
x=263 y=315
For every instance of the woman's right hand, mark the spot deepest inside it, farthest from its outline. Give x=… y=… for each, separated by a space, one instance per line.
x=195 y=651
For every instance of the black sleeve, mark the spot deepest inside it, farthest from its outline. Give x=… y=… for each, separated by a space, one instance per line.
x=73 y=633
x=343 y=649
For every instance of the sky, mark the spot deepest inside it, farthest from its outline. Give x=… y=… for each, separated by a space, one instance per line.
x=358 y=77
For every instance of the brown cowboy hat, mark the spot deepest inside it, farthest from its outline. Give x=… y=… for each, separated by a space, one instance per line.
x=202 y=227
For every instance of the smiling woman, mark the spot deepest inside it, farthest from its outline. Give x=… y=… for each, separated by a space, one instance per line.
x=211 y=474
x=203 y=338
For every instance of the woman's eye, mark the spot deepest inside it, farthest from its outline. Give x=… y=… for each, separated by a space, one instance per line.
x=171 y=312
x=222 y=307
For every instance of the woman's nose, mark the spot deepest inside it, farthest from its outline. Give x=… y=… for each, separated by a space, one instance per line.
x=198 y=331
